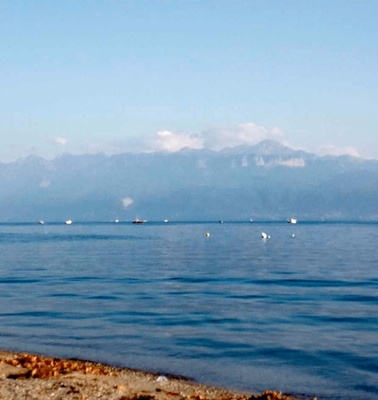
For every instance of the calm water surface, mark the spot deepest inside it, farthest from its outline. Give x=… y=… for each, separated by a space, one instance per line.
x=297 y=314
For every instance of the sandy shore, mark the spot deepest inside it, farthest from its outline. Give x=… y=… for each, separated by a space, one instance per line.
x=29 y=376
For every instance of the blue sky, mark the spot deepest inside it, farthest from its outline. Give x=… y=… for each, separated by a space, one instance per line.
x=133 y=75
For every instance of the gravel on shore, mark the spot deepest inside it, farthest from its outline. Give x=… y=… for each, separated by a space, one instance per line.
x=31 y=376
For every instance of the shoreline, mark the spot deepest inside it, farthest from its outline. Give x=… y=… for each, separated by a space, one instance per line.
x=33 y=376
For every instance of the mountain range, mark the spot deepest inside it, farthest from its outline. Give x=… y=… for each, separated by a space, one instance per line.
x=267 y=181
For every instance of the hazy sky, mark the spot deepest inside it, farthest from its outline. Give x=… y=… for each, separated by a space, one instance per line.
x=136 y=75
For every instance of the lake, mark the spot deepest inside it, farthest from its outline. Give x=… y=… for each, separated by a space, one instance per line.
x=297 y=312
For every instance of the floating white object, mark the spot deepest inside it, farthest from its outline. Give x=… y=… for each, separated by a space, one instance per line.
x=165 y=220
x=68 y=222
x=41 y=222
x=292 y=221
x=264 y=235
x=207 y=234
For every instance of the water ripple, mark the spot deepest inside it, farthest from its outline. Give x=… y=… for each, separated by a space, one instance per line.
x=297 y=314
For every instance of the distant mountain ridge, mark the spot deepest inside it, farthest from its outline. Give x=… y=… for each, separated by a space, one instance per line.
x=264 y=181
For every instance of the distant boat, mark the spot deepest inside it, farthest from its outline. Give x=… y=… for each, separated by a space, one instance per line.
x=41 y=222
x=116 y=221
x=165 y=220
x=68 y=222
x=292 y=221
x=264 y=235
x=139 y=221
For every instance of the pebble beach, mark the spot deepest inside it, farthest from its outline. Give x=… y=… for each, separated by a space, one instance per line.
x=31 y=376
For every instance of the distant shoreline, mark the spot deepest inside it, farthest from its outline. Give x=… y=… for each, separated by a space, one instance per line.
x=194 y=222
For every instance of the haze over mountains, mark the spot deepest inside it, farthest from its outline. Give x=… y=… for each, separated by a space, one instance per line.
x=264 y=181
